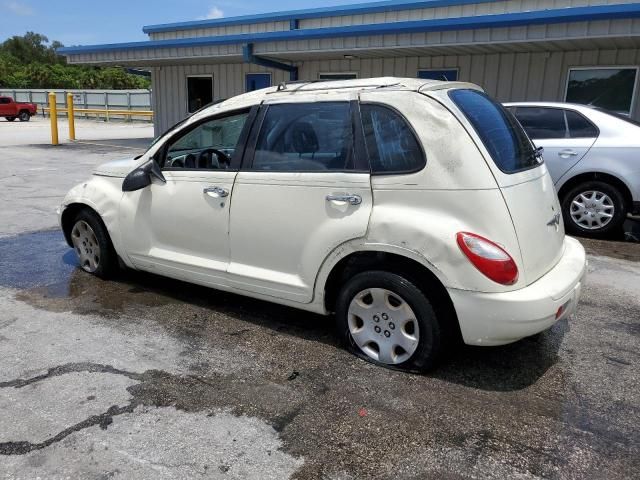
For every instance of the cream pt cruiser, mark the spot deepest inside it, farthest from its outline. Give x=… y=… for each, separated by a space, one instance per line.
x=417 y=211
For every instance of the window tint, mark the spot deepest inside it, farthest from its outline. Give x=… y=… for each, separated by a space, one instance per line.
x=449 y=74
x=500 y=132
x=5 y=100
x=210 y=145
x=608 y=88
x=199 y=92
x=306 y=137
x=579 y=126
x=541 y=122
x=391 y=145
x=337 y=76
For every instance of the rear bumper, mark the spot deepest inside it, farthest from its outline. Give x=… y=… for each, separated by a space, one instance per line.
x=500 y=318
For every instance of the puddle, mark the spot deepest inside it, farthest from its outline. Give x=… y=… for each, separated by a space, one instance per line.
x=35 y=259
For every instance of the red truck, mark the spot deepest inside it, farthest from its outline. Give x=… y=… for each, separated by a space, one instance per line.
x=11 y=109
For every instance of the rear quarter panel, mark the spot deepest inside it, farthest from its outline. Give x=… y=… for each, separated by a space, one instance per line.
x=456 y=191
x=622 y=162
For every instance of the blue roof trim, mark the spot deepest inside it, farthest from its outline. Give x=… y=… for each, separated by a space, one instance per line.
x=351 y=9
x=564 y=15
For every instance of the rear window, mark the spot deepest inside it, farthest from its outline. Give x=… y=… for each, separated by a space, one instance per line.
x=501 y=133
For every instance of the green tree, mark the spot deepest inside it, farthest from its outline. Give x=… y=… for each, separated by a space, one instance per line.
x=31 y=61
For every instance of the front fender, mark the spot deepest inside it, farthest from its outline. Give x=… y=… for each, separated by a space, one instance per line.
x=101 y=194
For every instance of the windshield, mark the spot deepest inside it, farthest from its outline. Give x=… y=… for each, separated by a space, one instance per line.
x=502 y=135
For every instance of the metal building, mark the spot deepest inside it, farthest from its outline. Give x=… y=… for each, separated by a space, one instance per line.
x=586 y=51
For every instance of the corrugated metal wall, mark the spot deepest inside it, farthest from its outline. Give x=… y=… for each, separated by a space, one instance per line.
x=480 y=8
x=506 y=76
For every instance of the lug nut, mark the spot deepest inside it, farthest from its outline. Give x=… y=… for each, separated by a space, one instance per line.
x=385 y=316
x=387 y=333
x=376 y=318
x=377 y=329
x=392 y=325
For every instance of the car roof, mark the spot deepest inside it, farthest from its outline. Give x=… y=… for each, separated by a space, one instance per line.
x=577 y=106
x=353 y=85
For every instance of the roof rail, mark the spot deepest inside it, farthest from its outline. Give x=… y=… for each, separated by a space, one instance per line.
x=283 y=85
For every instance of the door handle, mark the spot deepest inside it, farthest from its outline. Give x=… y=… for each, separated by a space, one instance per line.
x=216 y=192
x=348 y=198
x=567 y=153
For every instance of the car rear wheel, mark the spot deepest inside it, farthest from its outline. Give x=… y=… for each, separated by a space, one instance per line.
x=10 y=119
x=593 y=208
x=92 y=244
x=24 y=116
x=385 y=319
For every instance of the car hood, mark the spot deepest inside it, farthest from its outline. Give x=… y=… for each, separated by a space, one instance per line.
x=116 y=168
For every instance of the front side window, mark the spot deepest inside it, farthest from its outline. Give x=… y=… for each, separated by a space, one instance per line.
x=305 y=137
x=210 y=145
x=501 y=133
x=608 y=88
x=542 y=123
x=199 y=92
x=391 y=144
x=4 y=100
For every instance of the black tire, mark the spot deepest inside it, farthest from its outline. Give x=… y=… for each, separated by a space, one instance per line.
x=108 y=260
x=10 y=119
x=24 y=116
x=619 y=205
x=430 y=340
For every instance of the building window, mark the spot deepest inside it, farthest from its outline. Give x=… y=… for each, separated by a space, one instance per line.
x=338 y=76
x=199 y=92
x=450 y=74
x=256 y=81
x=609 y=88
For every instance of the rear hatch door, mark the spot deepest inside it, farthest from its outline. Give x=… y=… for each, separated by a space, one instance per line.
x=520 y=173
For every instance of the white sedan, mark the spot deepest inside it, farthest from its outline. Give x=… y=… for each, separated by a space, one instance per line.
x=593 y=157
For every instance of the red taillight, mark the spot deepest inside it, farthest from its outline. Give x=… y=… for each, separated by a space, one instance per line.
x=491 y=259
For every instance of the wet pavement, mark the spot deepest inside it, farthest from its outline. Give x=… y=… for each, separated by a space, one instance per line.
x=147 y=377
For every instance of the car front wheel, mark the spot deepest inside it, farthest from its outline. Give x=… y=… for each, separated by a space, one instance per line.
x=92 y=244
x=385 y=319
x=593 y=208
x=24 y=116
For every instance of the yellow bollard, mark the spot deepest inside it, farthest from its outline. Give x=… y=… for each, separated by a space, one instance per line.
x=71 y=117
x=53 y=112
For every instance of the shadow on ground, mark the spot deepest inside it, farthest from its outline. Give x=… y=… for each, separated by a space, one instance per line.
x=44 y=269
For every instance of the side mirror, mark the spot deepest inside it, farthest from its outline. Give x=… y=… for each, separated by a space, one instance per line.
x=141 y=177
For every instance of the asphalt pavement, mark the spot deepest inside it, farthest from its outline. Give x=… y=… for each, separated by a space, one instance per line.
x=147 y=377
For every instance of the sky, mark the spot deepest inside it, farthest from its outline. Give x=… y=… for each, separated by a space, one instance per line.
x=87 y=22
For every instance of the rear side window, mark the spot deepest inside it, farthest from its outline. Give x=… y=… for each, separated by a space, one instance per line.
x=541 y=122
x=306 y=137
x=502 y=135
x=579 y=126
x=391 y=143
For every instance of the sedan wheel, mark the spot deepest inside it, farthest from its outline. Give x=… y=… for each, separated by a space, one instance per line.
x=383 y=325
x=86 y=245
x=592 y=210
